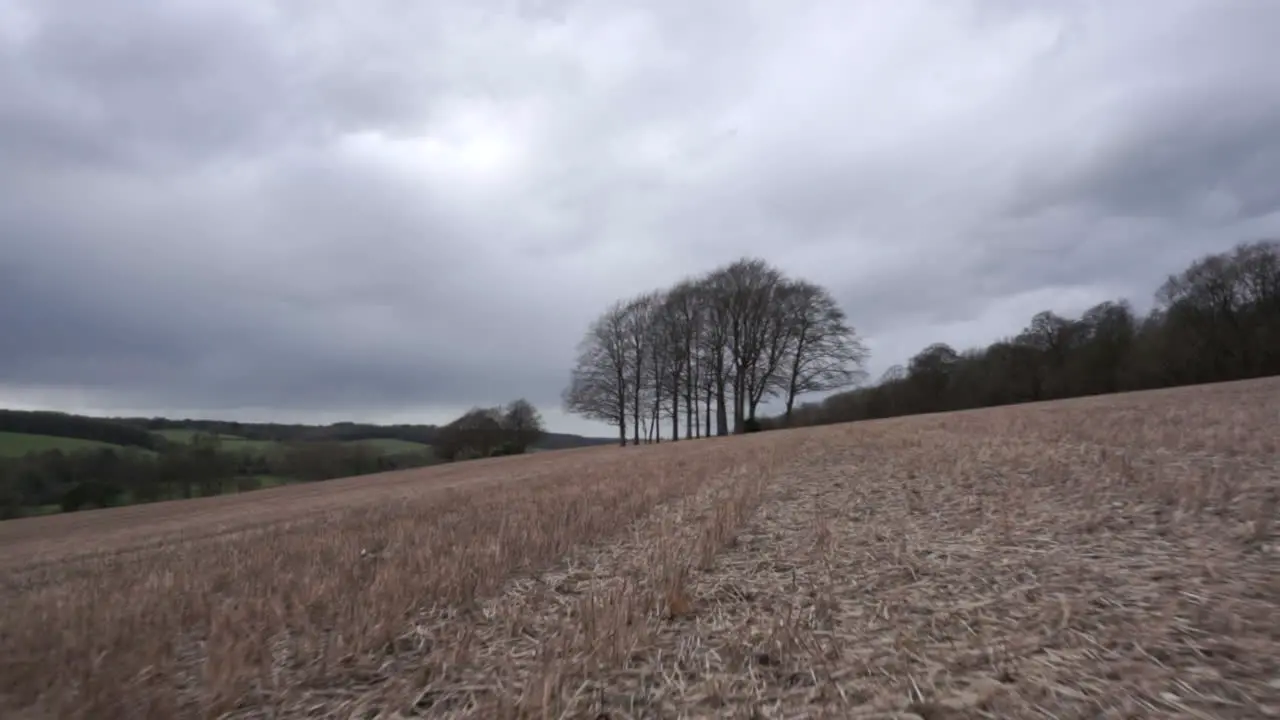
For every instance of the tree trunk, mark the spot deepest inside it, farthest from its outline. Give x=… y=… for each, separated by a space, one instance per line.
x=677 y=379
x=657 y=408
x=708 y=410
x=739 y=402
x=694 y=428
x=690 y=404
x=691 y=379
x=722 y=410
x=655 y=427
x=675 y=418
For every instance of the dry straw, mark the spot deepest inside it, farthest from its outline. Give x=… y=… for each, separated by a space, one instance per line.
x=1110 y=557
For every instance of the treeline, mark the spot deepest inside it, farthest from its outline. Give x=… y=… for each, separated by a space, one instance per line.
x=1217 y=320
x=58 y=424
x=82 y=479
x=287 y=432
x=490 y=432
x=712 y=349
x=141 y=432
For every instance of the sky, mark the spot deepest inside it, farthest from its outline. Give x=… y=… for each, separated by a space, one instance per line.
x=392 y=211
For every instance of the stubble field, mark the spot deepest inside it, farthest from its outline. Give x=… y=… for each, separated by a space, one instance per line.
x=1108 y=557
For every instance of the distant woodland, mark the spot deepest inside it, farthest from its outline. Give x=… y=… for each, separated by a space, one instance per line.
x=704 y=355
x=1217 y=320
x=51 y=462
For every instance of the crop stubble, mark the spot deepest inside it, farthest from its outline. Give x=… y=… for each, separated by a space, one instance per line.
x=1103 y=557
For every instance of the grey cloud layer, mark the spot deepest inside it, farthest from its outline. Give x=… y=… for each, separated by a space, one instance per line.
x=381 y=207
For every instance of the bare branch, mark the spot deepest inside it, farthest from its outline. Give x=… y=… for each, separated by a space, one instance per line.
x=599 y=386
x=825 y=353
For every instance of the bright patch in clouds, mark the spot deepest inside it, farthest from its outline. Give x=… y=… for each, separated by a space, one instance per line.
x=471 y=145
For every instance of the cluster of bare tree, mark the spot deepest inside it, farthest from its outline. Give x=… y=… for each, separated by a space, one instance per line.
x=734 y=337
x=486 y=432
x=1217 y=320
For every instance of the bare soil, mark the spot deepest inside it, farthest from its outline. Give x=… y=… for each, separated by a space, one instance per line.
x=1109 y=557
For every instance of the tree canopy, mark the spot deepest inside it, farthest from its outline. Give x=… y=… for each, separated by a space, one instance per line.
x=712 y=349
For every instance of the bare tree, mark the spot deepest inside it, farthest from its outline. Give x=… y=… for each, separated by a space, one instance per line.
x=929 y=372
x=714 y=351
x=895 y=374
x=678 y=321
x=599 y=386
x=743 y=294
x=522 y=423
x=824 y=352
x=741 y=333
x=1258 y=277
x=1106 y=333
x=478 y=433
x=694 y=372
x=710 y=385
x=1052 y=337
x=661 y=358
x=694 y=320
x=765 y=377
x=638 y=334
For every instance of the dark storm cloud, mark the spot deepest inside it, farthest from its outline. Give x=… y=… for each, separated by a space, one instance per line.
x=158 y=86
x=361 y=321
x=384 y=209
x=96 y=84
x=185 y=355
x=1219 y=157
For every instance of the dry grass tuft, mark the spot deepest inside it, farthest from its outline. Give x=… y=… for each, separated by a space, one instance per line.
x=1105 y=558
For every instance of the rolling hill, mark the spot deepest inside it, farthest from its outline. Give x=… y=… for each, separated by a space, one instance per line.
x=19 y=444
x=27 y=431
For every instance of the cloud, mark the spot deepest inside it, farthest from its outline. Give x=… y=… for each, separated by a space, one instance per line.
x=383 y=209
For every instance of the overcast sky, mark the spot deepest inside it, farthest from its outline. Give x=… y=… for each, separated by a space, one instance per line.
x=391 y=211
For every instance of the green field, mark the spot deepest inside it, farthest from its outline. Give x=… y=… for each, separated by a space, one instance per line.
x=230 y=443
x=246 y=445
x=19 y=444
x=184 y=435
x=394 y=446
